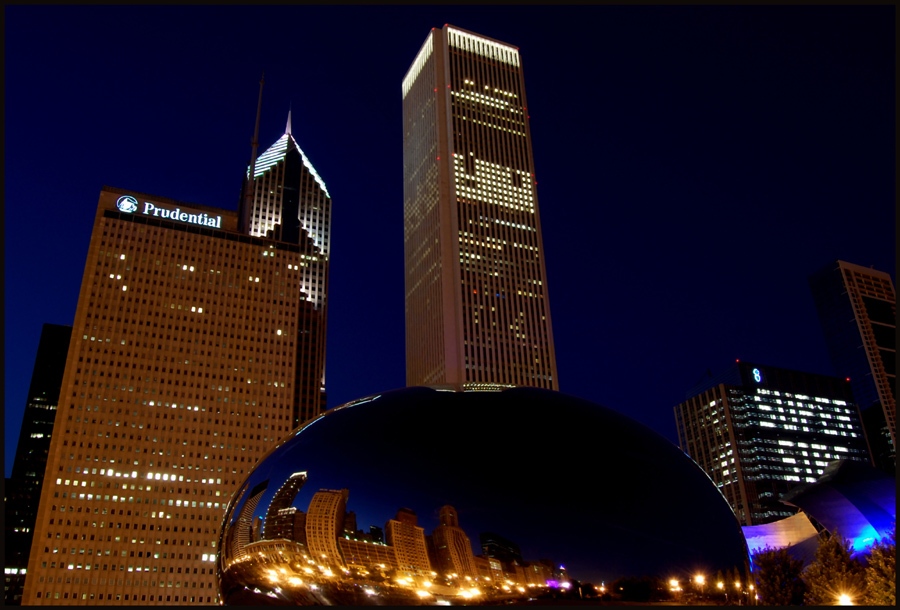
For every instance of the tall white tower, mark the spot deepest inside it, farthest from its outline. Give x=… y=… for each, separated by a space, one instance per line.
x=477 y=312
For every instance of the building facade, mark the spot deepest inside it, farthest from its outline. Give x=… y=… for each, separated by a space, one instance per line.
x=857 y=308
x=760 y=431
x=500 y=548
x=279 y=521
x=452 y=548
x=362 y=555
x=324 y=522
x=408 y=539
x=288 y=201
x=477 y=310
x=190 y=358
x=248 y=528
x=23 y=489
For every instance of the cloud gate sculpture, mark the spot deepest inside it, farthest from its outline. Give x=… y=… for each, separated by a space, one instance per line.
x=438 y=496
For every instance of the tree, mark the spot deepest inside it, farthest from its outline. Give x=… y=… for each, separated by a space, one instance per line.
x=881 y=573
x=834 y=573
x=778 y=577
x=715 y=590
x=734 y=583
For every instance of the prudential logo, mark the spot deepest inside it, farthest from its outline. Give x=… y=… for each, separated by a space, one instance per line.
x=127 y=203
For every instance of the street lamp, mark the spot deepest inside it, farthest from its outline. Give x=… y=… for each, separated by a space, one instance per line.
x=844 y=600
x=700 y=580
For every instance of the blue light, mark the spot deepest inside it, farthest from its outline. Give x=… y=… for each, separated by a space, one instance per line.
x=757 y=376
x=866 y=537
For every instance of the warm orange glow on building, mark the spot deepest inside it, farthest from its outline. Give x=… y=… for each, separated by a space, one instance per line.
x=190 y=358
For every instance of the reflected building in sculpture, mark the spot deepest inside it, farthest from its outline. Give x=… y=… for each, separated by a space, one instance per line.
x=324 y=521
x=597 y=540
x=497 y=547
x=244 y=533
x=362 y=555
x=279 y=520
x=339 y=551
x=477 y=310
x=760 y=431
x=408 y=540
x=452 y=548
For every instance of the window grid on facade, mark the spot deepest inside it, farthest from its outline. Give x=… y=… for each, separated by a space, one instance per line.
x=756 y=442
x=476 y=303
x=186 y=365
x=862 y=283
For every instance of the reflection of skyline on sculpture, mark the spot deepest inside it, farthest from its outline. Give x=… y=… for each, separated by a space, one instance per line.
x=523 y=475
x=279 y=522
x=322 y=544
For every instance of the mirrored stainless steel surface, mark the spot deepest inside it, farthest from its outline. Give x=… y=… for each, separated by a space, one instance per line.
x=436 y=496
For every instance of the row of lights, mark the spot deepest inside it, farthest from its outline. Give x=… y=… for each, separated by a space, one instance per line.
x=843 y=599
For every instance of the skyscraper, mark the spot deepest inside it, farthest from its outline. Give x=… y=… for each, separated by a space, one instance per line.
x=496 y=546
x=857 y=308
x=760 y=431
x=279 y=521
x=191 y=356
x=247 y=528
x=477 y=311
x=324 y=521
x=23 y=489
x=408 y=539
x=452 y=548
x=289 y=202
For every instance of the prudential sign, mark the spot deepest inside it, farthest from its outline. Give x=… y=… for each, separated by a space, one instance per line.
x=128 y=204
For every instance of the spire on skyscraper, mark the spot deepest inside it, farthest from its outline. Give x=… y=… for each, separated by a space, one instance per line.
x=247 y=198
x=287 y=129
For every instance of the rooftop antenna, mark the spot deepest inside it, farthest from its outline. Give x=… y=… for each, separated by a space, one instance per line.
x=248 y=191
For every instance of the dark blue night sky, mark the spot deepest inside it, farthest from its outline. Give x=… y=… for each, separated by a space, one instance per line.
x=694 y=164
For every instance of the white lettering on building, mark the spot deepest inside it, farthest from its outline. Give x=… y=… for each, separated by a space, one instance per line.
x=197 y=219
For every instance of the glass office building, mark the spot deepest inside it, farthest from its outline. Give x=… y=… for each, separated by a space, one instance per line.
x=759 y=431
